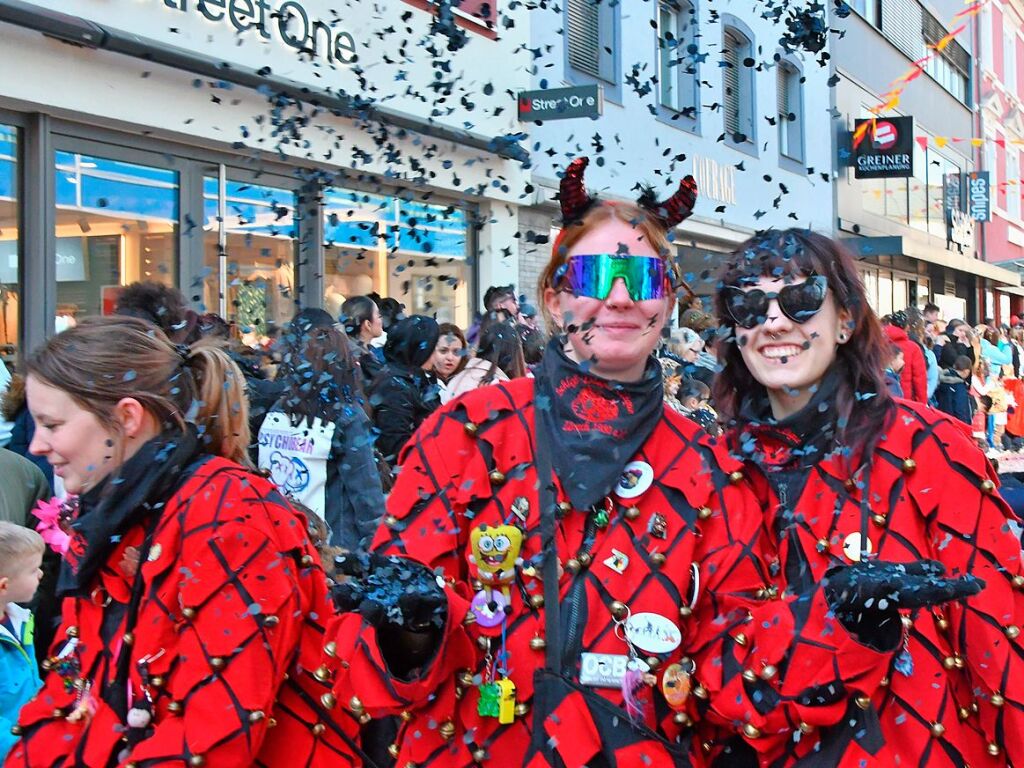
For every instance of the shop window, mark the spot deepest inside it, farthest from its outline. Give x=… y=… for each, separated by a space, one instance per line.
x=918 y=190
x=938 y=168
x=10 y=284
x=870 y=279
x=256 y=276
x=737 y=86
x=590 y=30
x=884 y=306
x=677 y=67
x=414 y=251
x=116 y=223
x=896 y=200
x=900 y=294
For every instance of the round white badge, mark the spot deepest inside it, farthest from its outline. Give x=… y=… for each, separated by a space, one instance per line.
x=637 y=477
x=653 y=633
x=852 y=547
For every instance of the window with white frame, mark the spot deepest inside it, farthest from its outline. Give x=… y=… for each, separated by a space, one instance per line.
x=789 y=114
x=871 y=10
x=1013 y=189
x=590 y=28
x=677 y=66
x=1010 y=59
x=737 y=86
x=949 y=67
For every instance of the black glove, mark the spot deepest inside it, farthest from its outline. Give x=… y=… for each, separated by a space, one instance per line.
x=866 y=596
x=390 y=592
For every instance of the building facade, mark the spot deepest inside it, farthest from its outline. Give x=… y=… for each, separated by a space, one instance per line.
x=258 y=154
x=689 y=88
x=1001 y=116
x=909 y=229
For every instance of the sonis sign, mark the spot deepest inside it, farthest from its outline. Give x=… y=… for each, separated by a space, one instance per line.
x=288 y=21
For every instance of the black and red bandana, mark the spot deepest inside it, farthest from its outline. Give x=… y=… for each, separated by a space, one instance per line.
x=137 y=491
x=595 y=426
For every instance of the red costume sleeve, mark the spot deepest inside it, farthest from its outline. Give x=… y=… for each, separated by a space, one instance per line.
x=772 y=665
x=420 y=525
x=230 y=666
x=969 y=531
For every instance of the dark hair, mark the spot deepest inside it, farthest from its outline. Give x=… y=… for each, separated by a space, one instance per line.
x=355 y=312
x=162 y=305
x=962 y=363
x=952 y=325
x=862 y=401
x=451 y=329
x=391 y=310
x=105 y=359
x=318 y=372
x=496 y=293
x=691 y=387
x=500 y=346
x=930 y=307
x=992 y=336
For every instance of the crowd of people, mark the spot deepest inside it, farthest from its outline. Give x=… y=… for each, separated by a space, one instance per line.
x=608 y=533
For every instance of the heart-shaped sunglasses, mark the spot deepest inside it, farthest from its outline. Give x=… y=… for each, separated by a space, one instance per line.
x=799 y=302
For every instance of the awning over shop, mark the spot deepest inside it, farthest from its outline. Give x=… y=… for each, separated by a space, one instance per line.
x=897 y=245
x=1010 y=289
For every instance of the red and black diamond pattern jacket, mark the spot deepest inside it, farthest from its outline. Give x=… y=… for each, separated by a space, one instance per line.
x=472 y=464
x=955 y=696
x=231 y=622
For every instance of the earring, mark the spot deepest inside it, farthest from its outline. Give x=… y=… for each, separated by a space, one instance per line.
x=842 y=338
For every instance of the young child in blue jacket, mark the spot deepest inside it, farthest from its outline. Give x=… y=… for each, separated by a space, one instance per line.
x=21 y=555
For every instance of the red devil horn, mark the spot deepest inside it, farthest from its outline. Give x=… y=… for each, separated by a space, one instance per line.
x=572 y=193
x=678 y=207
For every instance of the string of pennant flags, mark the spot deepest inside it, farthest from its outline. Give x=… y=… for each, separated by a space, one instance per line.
x=891 y=99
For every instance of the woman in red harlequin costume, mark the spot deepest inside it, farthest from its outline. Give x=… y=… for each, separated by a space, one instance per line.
x=859 y=489
x=193 y=600
x=595 y=551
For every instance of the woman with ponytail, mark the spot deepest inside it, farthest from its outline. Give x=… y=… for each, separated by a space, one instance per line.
x=192 y=596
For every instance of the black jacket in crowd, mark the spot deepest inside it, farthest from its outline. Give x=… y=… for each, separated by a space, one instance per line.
x=403 y=394
x=953 y=396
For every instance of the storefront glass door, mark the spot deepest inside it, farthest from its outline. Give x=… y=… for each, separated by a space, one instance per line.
x=252 y=283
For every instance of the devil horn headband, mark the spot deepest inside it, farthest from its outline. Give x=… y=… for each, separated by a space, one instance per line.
x=575 y=200
x=572 y=193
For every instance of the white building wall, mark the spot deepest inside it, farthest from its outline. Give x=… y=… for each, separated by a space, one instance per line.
x=640 y=147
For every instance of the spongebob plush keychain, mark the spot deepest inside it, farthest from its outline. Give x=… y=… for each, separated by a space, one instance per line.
x=495 y=555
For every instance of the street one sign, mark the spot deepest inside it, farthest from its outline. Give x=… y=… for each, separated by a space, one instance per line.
x=561 y=103
x=979 y=195
x=886 y=150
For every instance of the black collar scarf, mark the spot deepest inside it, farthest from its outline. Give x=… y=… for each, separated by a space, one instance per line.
x=595 y=426
x=802 y=439
x=137 y=492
